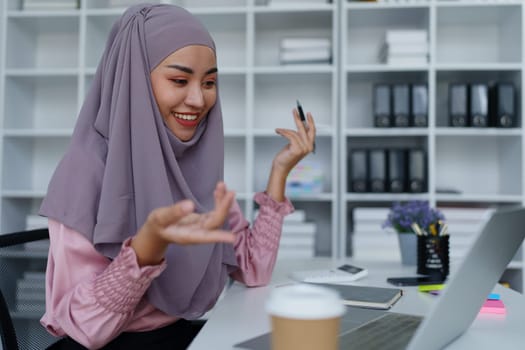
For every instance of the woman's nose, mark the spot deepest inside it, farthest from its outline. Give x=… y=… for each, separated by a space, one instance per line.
x=195 y=97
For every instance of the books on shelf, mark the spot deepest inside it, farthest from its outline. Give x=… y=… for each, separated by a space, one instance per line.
x=305 y=50
x=319 y=55
x=405 y=36
x=405 y=47
x=297 y=241
x=305 y=178
x=369 y=240
x=299 y=228
x=366 y=296
x=296 y=216
x=28 y=5
x=305 y=43
x=297 y=237
x=406 y=60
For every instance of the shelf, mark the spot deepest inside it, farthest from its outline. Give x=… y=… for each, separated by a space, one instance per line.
x=365 y=29
x=279 y=93
x=42 y=42
x=478 y=34
x=50 y=58
x=478 y=165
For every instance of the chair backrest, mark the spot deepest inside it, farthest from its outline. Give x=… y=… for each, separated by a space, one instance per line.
x=23 y=257
x=7 y=330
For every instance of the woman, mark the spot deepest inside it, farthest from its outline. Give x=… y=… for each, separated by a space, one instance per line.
x=127 y=267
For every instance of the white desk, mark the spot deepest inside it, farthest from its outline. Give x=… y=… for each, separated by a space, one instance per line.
x=240 y=314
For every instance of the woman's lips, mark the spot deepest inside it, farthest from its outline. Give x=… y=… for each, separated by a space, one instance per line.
x=188 y=120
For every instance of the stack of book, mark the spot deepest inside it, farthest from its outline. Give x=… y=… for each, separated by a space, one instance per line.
x=369 y=240
x=298 y=237
x=406 y=47
x=28 y=5
x=305 y=50
x=31 y=293
x=305 y=178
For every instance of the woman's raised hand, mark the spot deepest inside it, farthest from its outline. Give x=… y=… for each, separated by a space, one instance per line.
x=301 y=143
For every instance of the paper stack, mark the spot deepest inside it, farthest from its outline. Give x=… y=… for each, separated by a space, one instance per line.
x=369 y=240
x=31 y=293
x=298 y=237
x=28 y=5
x=407 y=47
x=305 y=50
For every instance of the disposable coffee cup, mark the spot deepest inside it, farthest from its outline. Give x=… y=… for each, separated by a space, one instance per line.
x=305 y=317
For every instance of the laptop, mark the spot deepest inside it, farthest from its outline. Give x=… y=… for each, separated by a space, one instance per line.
x=466 y=290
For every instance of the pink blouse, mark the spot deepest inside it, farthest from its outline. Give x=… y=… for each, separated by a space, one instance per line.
x=93 y=299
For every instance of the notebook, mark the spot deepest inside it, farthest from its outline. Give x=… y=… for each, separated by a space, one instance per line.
x=466 y=290
x=364 y=296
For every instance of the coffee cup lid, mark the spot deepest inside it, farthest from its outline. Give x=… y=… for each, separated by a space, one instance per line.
x=305 y=301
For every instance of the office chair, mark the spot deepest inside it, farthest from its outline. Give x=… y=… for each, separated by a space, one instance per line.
x=20 y=332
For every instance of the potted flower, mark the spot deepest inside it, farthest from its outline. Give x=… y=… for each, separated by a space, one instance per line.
x=401 y=218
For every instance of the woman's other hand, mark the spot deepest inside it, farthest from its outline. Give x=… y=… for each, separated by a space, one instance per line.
x=179 y=224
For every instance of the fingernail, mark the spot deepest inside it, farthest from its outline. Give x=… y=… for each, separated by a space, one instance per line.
x=187 y=205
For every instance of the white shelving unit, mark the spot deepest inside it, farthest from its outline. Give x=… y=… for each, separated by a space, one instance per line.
x=48 y=60
x=52 y=56
x=473 y=42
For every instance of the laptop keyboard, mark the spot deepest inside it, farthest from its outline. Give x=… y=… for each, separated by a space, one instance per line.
x=391 y=331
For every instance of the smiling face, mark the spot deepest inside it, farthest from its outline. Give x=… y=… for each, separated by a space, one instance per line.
x=185 y=88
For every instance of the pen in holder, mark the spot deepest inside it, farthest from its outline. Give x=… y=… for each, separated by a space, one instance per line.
x=433 y=255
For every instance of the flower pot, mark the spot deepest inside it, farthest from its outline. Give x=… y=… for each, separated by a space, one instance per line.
x=408 y=248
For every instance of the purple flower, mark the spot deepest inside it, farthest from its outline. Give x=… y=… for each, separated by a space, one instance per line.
x=402 y=215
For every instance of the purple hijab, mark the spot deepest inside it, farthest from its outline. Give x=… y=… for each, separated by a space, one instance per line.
x=123 y=161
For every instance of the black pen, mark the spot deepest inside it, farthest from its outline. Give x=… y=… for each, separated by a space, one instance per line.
x=303 y=118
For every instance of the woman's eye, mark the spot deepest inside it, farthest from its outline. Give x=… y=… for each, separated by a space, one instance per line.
x=209 y=84
x=179 y=81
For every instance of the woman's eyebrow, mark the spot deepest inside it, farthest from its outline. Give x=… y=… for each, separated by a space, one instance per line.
x=189 y=70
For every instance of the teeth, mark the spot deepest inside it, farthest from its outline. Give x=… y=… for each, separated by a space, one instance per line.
x=184 y=116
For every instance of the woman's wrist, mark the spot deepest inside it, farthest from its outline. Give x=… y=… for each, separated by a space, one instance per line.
x=277 y=183
x=149 y=248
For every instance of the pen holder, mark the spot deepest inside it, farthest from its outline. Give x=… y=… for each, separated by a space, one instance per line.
x=433 y=255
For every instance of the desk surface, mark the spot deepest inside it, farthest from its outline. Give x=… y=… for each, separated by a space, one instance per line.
x=240 y=314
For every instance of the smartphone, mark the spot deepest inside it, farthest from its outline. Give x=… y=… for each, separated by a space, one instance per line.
x=343 y=273
x=415 y=281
